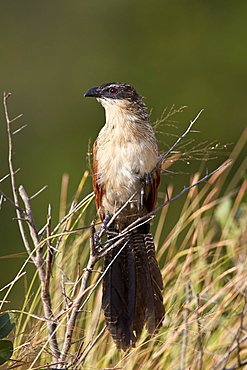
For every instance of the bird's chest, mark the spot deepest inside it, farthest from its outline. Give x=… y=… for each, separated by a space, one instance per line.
x=121 y=163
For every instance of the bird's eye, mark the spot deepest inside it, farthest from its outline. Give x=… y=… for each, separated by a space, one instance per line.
x=113 y=90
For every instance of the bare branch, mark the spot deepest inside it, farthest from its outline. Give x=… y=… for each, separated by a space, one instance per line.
x=4 y=177
x=38 y=192
x=12 y=203
x=13 y=281
x=50 y=252
x=90 y=346
x=12 y=175
x=168 y=115
x=75 y=308
x=16 y=118
x=19 y=129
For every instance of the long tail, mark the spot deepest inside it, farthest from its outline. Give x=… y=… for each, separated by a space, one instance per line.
x=132 y=290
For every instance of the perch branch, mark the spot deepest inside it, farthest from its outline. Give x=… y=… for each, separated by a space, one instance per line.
x=77 y=301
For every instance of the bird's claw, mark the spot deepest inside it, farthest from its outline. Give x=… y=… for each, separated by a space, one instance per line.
x=102 y=230
x=147 y=180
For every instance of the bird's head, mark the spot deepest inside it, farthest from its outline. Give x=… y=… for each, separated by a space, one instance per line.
x=119 y=96
x=114 y=90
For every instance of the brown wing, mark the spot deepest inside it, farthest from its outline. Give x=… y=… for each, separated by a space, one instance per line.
x=153 y=191
x=98 y=190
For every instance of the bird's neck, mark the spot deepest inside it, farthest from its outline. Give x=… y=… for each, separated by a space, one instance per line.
x=123 y=116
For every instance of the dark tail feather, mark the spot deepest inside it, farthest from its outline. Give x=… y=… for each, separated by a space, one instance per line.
x=149 y=280
x=132 y=291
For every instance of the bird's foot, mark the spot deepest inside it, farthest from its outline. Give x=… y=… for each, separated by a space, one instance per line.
x=102 y=230
x=147 y=180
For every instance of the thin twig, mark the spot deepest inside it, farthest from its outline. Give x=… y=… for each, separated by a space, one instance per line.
x=72 y=210
x=12 y=175
x=163 y=156
x=76 y=303
x=124 y=206
x=38 y=192
x=13 y=281
x=49 y=257
x=13 y=204
x=17 y=117
x=4 y=177
x=66 y=221
x=90 y=346
x=19 y=129
x=235 y=367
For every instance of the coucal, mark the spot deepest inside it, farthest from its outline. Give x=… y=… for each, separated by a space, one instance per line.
x=125 y=155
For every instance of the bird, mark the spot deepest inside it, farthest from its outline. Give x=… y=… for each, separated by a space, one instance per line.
x=126 y=177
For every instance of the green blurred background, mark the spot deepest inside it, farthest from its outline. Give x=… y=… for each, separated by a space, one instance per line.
x=173 y=52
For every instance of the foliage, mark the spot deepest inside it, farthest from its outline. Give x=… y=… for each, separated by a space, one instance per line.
x=7 y=323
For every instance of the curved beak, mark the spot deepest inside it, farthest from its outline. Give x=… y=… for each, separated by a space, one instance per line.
x=94 y=92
